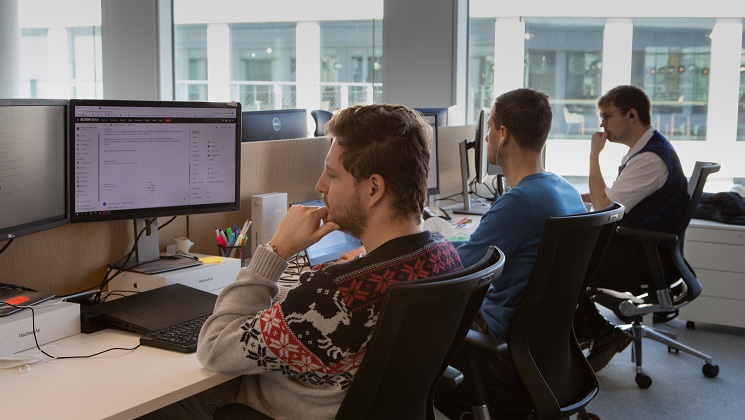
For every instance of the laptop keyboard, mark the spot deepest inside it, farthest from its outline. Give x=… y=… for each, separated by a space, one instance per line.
x=180 y=337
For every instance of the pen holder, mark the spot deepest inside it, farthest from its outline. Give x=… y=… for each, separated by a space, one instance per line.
x=239 y=252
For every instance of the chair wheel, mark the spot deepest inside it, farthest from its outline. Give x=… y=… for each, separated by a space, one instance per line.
x=710 y=370
x=644 y=381
x=690 y=325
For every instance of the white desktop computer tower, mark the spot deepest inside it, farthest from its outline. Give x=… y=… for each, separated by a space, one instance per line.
x=267 y=210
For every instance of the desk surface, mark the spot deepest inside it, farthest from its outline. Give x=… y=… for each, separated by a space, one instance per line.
x=117 y=384
x=114 y=385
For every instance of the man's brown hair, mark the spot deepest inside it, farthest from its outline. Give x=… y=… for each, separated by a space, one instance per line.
x=626 y=97
x=393 y=141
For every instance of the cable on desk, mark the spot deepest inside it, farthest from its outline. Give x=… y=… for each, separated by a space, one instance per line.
x=33 y=329
x=7 y=244
x=121 y=262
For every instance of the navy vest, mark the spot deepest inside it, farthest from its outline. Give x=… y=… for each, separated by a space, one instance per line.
x=662 y=209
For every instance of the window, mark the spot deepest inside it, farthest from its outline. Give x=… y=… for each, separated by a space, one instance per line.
x=351 y=63
x=61 y=51
x=480 y=66
x=190 y=69
x=563 y=57
x=670 y=61
x=262 y=65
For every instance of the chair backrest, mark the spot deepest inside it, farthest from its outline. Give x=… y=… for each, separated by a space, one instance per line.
x=412 y=341
x=701 y=170
x=541 y=340
x=321 y=117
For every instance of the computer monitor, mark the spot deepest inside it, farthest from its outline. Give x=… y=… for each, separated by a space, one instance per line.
x=33 y=175
x=481 y=154
x=442 y=114
x=274 y=124
x=481 y=164
x=146 y=159
x=433 y=181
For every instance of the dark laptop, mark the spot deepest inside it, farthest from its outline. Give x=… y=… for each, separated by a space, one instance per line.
x=154 y=309
x=19 y=297
x=331 y=246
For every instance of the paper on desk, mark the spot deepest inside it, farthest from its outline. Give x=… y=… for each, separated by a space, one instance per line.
x=211 y=260
x=440 y=225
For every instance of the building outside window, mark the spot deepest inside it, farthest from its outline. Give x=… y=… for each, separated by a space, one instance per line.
x=563 y=57
x=61 y=55
x=262 y=65
x=190 y=48
x=671 y=62
x=351 y=63
x=480 y=66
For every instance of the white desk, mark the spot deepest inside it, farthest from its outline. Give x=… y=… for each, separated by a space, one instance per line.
x=114 y=385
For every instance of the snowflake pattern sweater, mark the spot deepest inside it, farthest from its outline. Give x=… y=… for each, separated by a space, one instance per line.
x=300 y=355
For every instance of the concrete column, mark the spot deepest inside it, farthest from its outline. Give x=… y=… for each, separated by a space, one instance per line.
x=509 y=54
x=308 y=65
x=617 y=49
x=218 y=62
x=10 y=50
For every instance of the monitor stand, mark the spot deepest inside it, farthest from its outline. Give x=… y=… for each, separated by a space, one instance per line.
x=467 y=207
x=147 y=258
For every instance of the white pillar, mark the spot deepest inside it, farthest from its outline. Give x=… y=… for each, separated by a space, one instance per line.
x=58 y=61
x=724 y=77
x=218 y=62
x=509 y=54
x=617 y=49
x=308 y=65
x=10 y=50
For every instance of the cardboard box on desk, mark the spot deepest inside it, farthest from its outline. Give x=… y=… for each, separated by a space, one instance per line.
x=208 y=277
x=53 y=322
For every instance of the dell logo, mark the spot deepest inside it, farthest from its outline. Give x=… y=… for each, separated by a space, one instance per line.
x=276 y=124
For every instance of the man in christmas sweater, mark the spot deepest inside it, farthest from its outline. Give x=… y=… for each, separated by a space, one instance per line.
x=298 y=357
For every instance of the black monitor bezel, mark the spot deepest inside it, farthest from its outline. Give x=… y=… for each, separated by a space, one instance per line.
x=147 y=213
x=35 y=226
x=481 y=158
x=254 y=138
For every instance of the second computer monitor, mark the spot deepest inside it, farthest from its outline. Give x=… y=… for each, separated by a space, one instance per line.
x=481 y=154
x=433 y=181
x=274 y=124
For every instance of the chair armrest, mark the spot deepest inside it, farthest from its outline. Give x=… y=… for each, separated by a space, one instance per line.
x=645 y=234
x=483 y=342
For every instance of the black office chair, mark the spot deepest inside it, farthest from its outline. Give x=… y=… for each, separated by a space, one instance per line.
x=418 y=329
x=662 y=250
x=557 y=380
x=321 y=117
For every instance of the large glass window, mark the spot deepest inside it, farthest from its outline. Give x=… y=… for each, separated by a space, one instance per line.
x=262 y=65
x=670 y=61
x=563 y=57
x=190 y=56
x=480 y=66
x=61 y=54
x=351 y=63
x=741 y=107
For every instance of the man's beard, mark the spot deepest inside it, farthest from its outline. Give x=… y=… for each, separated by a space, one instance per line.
x=350 y=216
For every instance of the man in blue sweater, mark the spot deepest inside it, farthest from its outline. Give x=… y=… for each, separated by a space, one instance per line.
x=519 y=123
x=654 y=191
